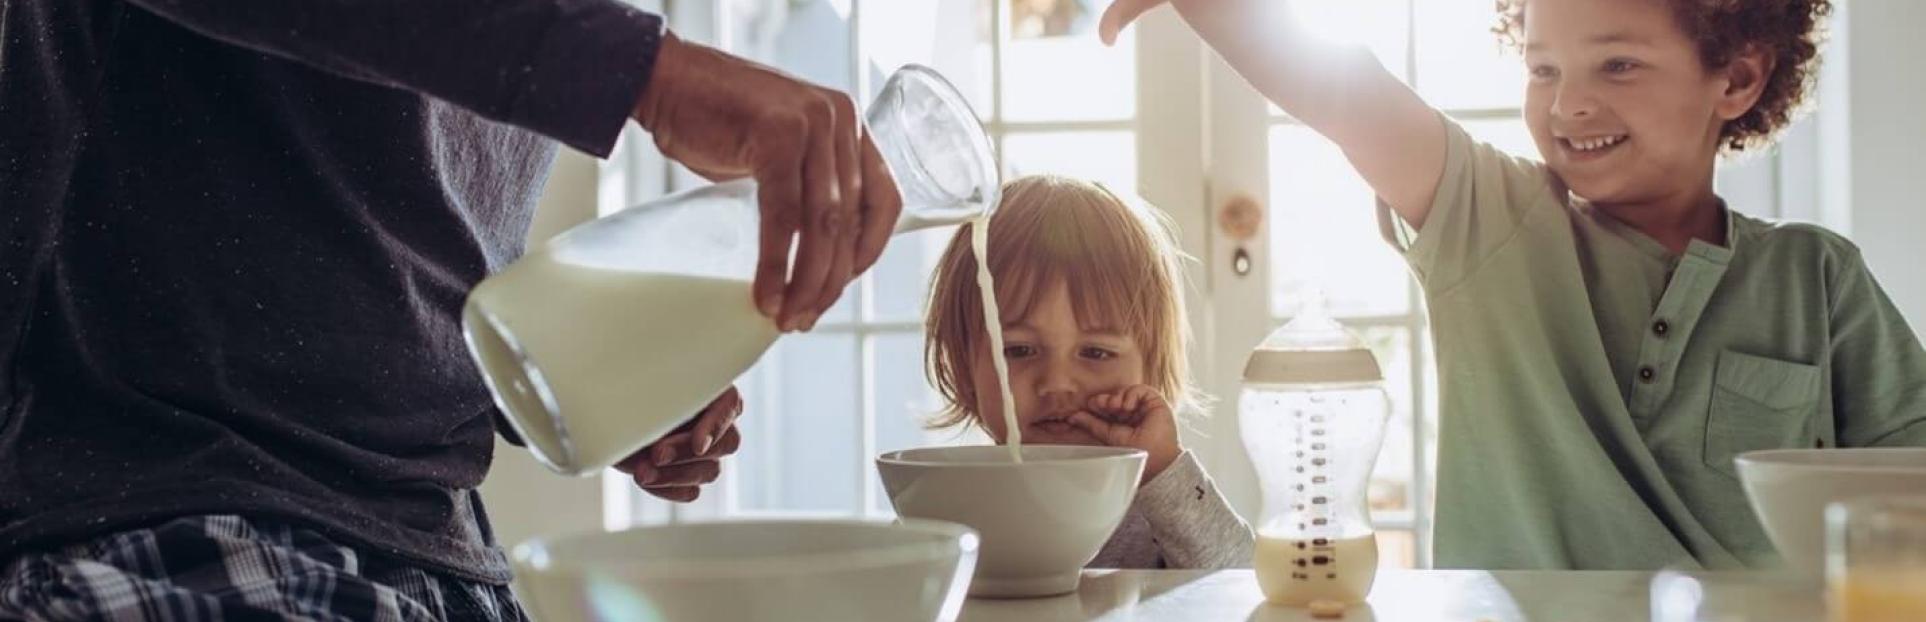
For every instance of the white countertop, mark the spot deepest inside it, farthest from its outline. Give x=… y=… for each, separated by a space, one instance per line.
x=1428 y=595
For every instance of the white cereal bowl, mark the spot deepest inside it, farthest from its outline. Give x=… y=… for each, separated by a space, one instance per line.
x=1790 y=489
x=1040 y=520
x=752 y=570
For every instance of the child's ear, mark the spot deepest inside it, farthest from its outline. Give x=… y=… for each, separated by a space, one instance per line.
x=1745 y=80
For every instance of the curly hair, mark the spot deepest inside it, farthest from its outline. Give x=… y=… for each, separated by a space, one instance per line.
x=1792 y=29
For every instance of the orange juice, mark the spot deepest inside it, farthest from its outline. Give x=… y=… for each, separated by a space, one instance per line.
x=1873 y=595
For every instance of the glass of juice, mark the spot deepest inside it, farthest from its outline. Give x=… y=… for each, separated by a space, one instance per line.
x=1876 y=559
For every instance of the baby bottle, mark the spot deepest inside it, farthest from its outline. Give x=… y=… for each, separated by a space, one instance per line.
x=1312 y=412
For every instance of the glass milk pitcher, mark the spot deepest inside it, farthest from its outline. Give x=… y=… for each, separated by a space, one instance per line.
x=610 y=335
x=1312 y=415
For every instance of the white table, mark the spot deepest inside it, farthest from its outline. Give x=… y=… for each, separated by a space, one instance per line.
x=1411 y=595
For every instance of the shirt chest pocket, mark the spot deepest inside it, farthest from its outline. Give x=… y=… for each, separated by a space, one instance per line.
x=1758 y=403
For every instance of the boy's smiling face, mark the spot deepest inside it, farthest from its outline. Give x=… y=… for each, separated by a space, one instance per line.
x=1619 y=102
x=1055 y=367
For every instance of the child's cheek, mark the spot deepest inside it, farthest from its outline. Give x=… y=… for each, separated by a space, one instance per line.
x=1118 y=377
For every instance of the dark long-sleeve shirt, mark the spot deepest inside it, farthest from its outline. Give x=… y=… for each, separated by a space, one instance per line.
x=234 y=241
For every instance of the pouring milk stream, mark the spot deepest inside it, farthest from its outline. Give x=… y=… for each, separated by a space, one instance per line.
x=607 y=337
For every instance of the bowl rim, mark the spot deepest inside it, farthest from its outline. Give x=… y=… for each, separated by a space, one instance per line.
x=903 y=457
x=951 y=540
x=1772 y=457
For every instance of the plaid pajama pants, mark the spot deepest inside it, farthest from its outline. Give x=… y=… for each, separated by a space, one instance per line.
x=231 y=568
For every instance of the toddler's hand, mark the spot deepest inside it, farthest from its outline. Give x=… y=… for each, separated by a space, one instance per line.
x=1136 y=416
x=1120 y=14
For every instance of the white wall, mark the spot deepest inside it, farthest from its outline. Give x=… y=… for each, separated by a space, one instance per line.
x=1885 y=176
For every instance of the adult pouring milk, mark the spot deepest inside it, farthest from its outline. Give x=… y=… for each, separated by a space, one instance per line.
x=237 y=242
x=606 y=338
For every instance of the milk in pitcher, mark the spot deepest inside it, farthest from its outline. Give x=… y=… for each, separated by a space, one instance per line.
x=594 y=338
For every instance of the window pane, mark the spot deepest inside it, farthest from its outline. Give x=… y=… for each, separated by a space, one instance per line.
x=1460 y=62
x=904 y=403
x=1324 y=232
x=1055 y=68
x=1509 y=135
x=1108 y=157
x=902 y=275
x=1430 y=425
x=808 y=38
x=845 y=308
x=1378 y=24
x=950 y=36
x=800 y=427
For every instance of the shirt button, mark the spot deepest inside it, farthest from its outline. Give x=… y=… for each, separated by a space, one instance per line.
x=1646 y=374
x=1661 y=327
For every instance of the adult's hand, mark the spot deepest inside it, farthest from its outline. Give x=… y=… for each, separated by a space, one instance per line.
x=822 y=183
x=680 y=464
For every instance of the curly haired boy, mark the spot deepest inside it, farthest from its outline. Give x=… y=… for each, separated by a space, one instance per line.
x=1610 y=334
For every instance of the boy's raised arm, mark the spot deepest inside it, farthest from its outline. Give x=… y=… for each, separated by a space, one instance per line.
x=1391 y=136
